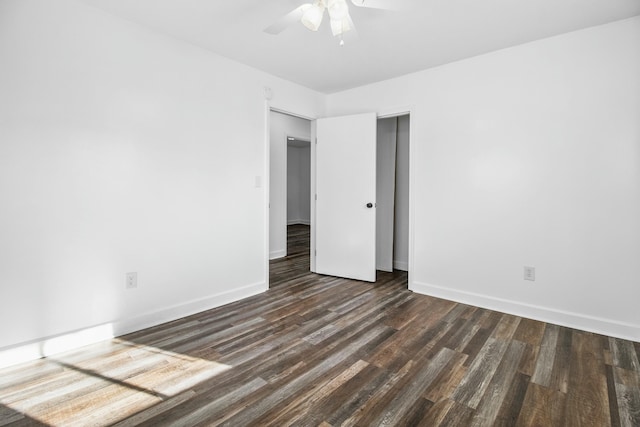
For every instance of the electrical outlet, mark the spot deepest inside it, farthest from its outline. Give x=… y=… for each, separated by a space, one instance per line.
x=530 y=273
x=131 y=280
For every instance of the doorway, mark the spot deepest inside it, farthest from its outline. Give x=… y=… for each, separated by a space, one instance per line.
x=298 y=181
x=289 y=179
x=298 y=197
x=401 y=223
x=344 y=222
x=392 y=193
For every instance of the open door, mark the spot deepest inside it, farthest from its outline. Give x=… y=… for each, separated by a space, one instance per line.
x=345 y=221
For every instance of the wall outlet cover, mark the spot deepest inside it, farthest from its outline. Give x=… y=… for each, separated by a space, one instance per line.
x=131 y=280
x=530 y=273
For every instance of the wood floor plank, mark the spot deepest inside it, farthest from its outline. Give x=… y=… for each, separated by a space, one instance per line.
x=458 y=415
x=559 y=378
x=363 y=388
x=512 y=403
x=450 y=377
x=322 y=401
x=587 y=397
x=435 y=415
x=9 y=416
x=476 y=344
x=415 y=413
x=544 y=366
x=614 y=410
x=627 y=385
x=491 y=402
x=155 y=410
x=463 y=333
x=294 y=387
x=543 y=406
x=506 y=327
x=528 y=361
x=378 y=400
x=530 y=332
x=321 y=350
x=411 y=392
x=211 y=411
x=473 y=385
x=624 y=354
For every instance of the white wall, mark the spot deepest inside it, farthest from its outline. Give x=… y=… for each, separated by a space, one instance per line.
x=298 y=184
x=281 y=126
x=123 y=150
x=528 y=156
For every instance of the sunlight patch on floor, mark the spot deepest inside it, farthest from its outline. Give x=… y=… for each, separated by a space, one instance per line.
x=104 y=383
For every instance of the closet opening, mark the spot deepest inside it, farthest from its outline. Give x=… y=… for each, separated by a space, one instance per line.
x=392 y=193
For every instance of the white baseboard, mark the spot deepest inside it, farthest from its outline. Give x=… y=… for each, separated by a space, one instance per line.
x=179 y=311
x=79 y=338
x=277 y=254
x=401 y=265
x=299 y=221
x=569 y=319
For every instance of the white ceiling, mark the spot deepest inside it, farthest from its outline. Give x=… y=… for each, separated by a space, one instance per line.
x=390 y=44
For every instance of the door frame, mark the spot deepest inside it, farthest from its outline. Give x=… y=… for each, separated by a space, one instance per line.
x=397 y=112
x=267 y=180
x=380 y=114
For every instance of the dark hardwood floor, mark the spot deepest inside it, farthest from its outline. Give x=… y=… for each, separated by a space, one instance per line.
x=317 y=350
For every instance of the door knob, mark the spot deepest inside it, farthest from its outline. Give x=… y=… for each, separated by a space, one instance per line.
x=369 y=205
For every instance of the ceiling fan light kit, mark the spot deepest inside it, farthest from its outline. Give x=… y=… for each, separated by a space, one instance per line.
x=311 y=15
x=338 y=14
x=338 y=9
x=339 y=27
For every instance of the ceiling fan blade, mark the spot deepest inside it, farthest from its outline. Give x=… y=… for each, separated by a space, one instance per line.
x=383 y=4
x=287 y=20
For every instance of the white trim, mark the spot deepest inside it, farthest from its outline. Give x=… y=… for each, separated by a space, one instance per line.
x=75 y=339
x=569 y=319
x=412 y=186
x=266 y=201
x=289 y=113
x=187 y=309
x=394 y=112
x=299 y=222
x=284 y=192
x=313 y=194
x=277 y=254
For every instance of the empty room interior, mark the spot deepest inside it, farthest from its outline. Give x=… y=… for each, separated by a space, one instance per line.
x=334 y=213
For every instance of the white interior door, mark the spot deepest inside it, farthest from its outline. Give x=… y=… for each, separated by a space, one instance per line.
x=345 y=223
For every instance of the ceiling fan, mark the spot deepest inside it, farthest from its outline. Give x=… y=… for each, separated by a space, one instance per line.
x=311 y=15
